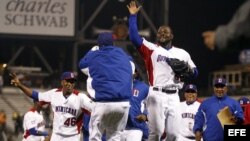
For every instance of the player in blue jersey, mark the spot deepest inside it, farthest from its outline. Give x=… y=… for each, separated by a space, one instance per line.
x=85 y=127
x=206 y=123
x=137 y=128
x=110 y=85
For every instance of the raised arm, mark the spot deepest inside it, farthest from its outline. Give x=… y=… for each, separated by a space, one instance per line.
x=133 y=30
x=231 y=34
x=238 y=28
x=17 y=83
x=132 y=8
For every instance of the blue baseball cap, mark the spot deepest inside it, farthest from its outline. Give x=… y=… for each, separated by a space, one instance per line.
x=68 y=75
x=243 y=100
x=105 y=39
x=220 y=81
x=191 y=87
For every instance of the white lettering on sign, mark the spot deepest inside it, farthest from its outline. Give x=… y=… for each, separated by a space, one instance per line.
x=236 y=132
x=38 y=17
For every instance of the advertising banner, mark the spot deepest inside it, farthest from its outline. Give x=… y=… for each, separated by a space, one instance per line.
x=37 y=17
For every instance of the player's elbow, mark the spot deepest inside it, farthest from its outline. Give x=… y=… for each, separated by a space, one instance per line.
x=32 y=131
x=195 y=72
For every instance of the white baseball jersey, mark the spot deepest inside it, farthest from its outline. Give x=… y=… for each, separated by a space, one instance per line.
x=131 y=135
x=187 y=113
x=163 y=115
x=33 y=119
x=67 y=119
x=159 y=72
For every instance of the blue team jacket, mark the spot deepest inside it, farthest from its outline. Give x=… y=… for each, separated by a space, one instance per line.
x=111 y=73
x=206 y=119
x=140 y=92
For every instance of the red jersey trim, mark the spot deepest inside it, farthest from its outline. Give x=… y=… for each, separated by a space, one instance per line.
x=146 y=53
x=76 y=92
x=27 y=134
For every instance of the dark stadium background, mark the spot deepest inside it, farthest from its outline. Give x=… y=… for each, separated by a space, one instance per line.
x=188 y=18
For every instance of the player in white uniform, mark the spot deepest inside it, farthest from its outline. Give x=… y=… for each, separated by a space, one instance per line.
x=188 y=109
x=67 y=105
x=163 y=95
x=34 y=124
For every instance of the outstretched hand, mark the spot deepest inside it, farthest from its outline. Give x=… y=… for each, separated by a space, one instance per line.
x=209 y=39
x=14 y=80
x=132 y=8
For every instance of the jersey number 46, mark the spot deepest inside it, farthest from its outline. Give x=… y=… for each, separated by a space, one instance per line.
x=70 y=122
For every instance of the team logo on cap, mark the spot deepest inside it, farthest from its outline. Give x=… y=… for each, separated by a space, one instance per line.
x=241 y=102
x=220 y=80
x=72 y=75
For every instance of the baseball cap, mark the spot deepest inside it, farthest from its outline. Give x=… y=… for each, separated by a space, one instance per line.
x=191 y=87
x=243 y=100
x=220 y=81
x=105 y=39
x=68 y=75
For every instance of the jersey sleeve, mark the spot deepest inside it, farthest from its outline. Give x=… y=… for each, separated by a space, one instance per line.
x=83 y=65
x=146 y=50
x=199 y=119
x=84 y=61
x=46 y=96
x=190 y=61
x=238 y=112
x=133 y=30
x=29 y=121
x=247 y=114
x=86 y=102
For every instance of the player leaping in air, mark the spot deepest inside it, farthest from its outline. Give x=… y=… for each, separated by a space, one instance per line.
x=163 y=97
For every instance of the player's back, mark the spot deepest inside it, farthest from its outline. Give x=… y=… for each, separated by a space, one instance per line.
x=111 y=72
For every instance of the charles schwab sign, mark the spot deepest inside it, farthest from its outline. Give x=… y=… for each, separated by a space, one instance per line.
x=37 y=17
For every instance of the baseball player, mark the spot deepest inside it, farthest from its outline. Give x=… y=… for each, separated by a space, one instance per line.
x=188 y=109
x=163 y=95
x=34 y=124
x=137 y=128
x=245 y=105
x=67 y=105
x=110 y=85
x=86 y=117
x=206 y=123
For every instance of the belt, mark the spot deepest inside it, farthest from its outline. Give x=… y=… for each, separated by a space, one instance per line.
x=190 y=137
x=164 y=90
